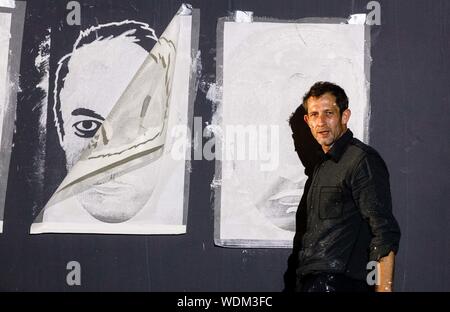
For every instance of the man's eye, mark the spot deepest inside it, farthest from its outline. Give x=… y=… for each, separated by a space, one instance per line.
x=86 y=128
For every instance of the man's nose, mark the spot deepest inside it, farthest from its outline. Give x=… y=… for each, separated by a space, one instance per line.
x=321 y=120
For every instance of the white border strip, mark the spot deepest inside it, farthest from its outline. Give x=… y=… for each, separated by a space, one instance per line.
x=59 y=227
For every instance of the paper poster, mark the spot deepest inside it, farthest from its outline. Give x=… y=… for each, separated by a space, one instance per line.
x=266 y=68
x=115 y=115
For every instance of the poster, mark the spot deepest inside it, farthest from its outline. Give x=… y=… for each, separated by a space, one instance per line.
x=265 y=69
x=114 y=103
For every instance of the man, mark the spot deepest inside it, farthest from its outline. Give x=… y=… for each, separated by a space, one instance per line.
x=348 y=204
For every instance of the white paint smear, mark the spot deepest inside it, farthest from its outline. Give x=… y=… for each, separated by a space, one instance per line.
x=42 y=65
x=267 y=69
x=196 y=68
x=214 y=93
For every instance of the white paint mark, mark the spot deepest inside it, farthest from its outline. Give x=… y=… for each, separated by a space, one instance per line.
x=213 y=129
x=41 y=62
x=215 y=183
x=196 y=68
x=189 y=167
x=42 y=66
x=214 y=93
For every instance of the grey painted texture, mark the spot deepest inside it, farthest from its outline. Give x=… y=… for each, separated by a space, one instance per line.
x=410 y=99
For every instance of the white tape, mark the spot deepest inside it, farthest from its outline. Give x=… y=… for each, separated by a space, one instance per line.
x=243 y=16
x=357 y=19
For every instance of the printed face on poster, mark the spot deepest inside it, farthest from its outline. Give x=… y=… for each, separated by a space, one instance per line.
x=113 y=114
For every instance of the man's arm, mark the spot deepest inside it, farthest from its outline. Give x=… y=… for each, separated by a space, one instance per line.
x=386 y=273
x=371 y=191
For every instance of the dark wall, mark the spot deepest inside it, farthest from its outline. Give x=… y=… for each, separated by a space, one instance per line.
x=410 y=98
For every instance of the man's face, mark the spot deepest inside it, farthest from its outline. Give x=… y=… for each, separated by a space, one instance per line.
x=326 y=123
x=92 y=87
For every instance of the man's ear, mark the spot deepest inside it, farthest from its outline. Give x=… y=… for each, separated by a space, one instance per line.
x=305 y=117
x=346 y=116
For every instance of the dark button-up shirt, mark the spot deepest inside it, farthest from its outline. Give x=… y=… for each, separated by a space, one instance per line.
x=349 y=212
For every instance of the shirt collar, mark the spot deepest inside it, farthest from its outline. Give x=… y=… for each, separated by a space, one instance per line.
x=340 y=146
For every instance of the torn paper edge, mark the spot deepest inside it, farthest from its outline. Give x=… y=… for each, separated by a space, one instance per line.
x=217 y=178
x=193 y=85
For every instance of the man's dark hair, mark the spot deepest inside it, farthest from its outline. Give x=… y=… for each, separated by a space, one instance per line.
x=322 y=87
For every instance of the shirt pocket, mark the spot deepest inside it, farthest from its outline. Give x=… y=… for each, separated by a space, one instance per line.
x=330 y=202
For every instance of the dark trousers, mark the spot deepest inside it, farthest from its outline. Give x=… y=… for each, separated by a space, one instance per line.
x=329 y=282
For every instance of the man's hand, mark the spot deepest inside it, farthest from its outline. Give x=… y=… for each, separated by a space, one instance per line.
x=386 y=273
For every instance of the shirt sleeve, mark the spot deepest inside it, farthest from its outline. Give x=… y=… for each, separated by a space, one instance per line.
x=371 y=192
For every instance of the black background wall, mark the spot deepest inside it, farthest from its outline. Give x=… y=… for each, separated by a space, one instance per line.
x=410 y=98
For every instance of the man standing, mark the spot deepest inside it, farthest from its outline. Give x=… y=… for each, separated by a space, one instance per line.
x=349 y=209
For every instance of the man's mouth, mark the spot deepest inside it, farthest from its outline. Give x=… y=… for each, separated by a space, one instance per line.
x=323 y=132
x=112 y=188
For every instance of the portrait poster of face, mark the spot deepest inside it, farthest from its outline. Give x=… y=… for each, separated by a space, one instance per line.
x=266 y=68
x=11 y=28
x=111 y=107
